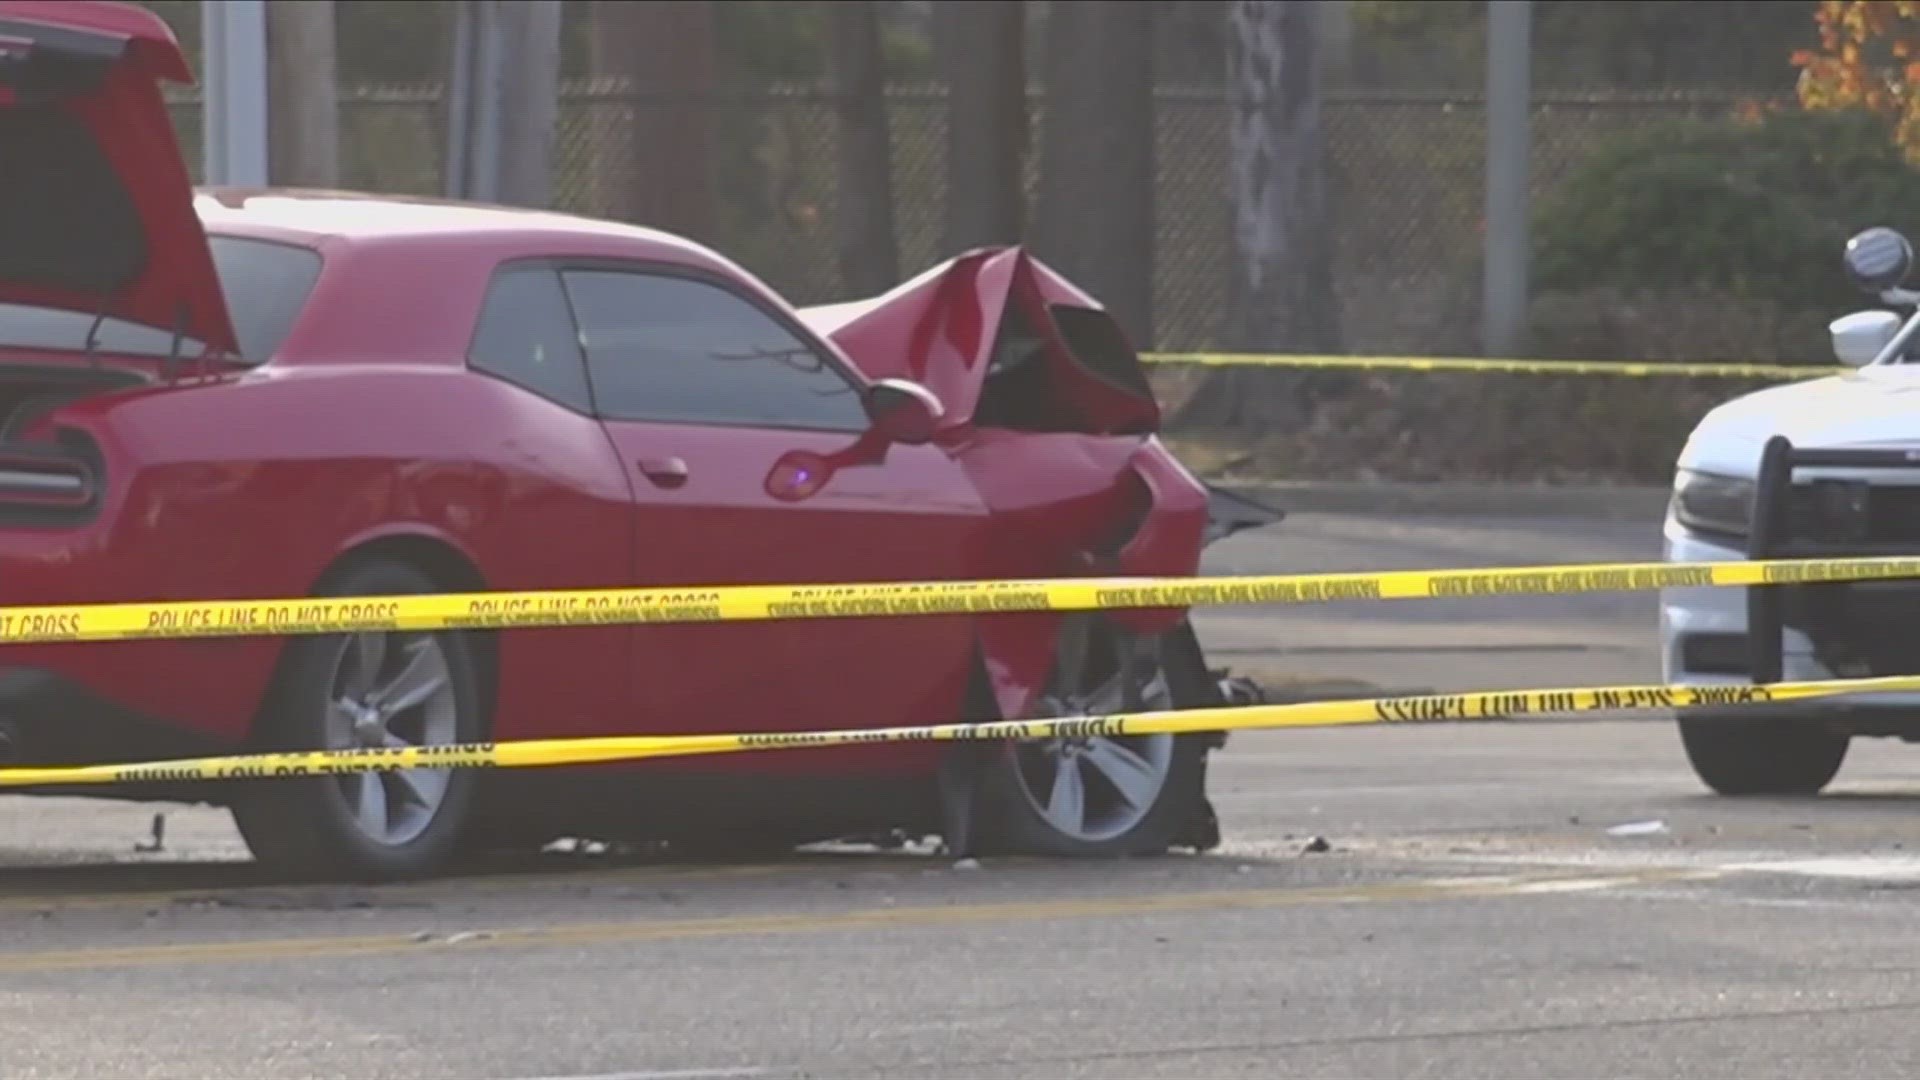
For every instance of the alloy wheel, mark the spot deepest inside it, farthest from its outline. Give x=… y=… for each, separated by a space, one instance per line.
x=392 y=691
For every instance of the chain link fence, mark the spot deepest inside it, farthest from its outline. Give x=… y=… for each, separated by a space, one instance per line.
x=1406 y=185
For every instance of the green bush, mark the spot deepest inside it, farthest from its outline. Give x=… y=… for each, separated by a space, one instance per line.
x=1750 y=210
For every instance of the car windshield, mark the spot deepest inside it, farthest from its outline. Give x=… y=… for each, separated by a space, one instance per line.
x=266 y=285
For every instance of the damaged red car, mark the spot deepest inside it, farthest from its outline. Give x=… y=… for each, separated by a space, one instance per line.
x=230 y=394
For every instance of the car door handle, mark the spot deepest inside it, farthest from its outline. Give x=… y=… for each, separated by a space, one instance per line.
x=667 y=472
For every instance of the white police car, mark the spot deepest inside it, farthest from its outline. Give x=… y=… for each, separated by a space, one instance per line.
x=1829 y=467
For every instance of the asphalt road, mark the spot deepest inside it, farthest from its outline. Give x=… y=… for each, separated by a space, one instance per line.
x=1474 y=913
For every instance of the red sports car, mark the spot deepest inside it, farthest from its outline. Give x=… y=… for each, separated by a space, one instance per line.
x=251 y=394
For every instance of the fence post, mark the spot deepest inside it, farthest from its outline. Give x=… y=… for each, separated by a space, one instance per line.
x=529 y=91
x=474 y=101
x=1503 y=313
x=459 y=105
x=234 y=113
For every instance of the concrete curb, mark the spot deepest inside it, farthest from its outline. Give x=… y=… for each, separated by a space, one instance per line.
x=1599 y=502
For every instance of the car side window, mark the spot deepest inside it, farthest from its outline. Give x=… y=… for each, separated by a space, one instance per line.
x=525 y=335
x=673 y=349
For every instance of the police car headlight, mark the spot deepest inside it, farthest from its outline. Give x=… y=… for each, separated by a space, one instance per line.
x=1710 y=503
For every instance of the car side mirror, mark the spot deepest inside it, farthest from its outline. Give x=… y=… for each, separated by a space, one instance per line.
x=1859 y=337
x=903 y=411
x=1878 y=259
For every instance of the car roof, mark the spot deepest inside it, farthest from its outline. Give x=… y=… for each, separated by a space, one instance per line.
x=357 y=218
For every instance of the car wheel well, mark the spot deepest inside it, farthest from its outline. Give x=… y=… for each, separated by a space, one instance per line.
x=449 y=569
x=438 y=560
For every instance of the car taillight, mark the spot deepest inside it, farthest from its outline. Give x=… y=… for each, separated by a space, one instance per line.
x=49 y=482
x=46 y=480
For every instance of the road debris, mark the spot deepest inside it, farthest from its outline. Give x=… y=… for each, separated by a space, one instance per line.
x=157 y=837
x=1640 y=828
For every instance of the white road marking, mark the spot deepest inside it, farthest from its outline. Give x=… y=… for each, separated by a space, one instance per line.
x=1888 y=869
x=664 y=1074
x=1862 y=868
x=1735 y=900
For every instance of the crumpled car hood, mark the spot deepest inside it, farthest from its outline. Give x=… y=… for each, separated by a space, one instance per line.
x=948 y=327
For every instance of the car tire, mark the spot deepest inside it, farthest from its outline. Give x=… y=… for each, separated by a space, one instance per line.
x=1750 y=757
x=419 y=688
x=1023 y=811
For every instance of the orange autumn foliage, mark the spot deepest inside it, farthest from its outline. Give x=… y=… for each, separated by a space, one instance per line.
x=1869 y=57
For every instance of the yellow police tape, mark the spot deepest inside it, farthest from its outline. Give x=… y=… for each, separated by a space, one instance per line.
x=742 y=603
x=1430 y=708
x=1778 y=372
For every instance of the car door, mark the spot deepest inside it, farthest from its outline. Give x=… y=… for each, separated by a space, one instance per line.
x=729 y=416
x=565 y=515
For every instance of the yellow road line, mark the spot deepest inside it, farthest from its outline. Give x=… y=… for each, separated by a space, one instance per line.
x=450 y=887
x=916 y=917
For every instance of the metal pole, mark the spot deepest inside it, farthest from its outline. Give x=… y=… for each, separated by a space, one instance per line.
x=236 y=91
x=490 y=36
x=530 y=87
x=213 y=112
x=248 y=152
x=1503 y=316
x=460 y=104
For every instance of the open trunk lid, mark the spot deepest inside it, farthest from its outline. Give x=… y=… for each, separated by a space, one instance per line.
x=96 y=204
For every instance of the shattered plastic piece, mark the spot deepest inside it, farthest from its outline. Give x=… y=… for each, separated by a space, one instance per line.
x=1640 y=828
x=967 y=864
x=1239 y=690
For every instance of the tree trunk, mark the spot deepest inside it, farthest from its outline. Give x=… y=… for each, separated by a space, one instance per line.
x=530 y=103
x=1095 y=221
x=980 y=47
x=303 y=126
x=1280 y=294
x=863 y=218
x=654 y=169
